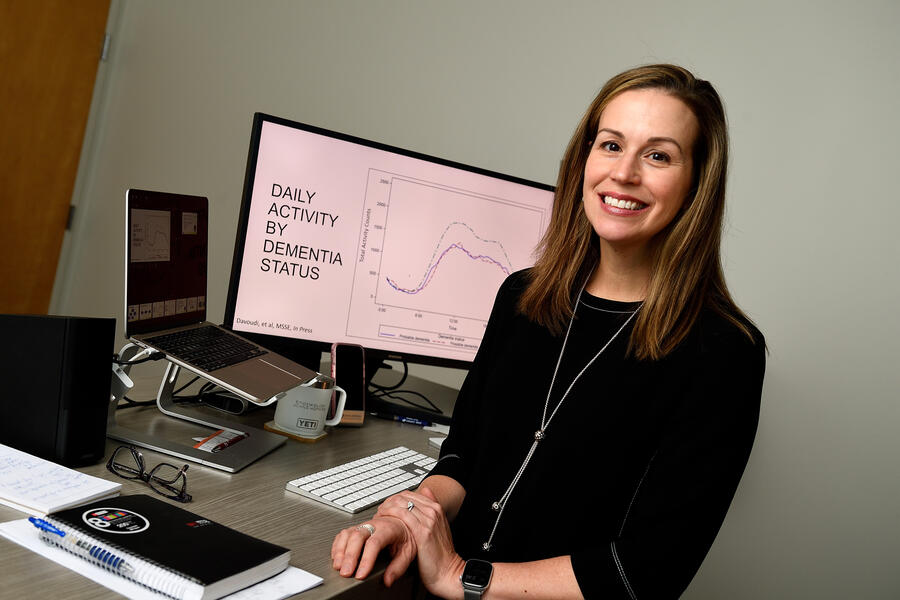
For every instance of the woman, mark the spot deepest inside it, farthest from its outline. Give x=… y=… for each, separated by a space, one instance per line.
x=606 y=421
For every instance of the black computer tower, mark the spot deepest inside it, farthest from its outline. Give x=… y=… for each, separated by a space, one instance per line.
x=55 y=375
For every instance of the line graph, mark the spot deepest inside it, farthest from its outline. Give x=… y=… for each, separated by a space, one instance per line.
x=505 y=265
x=150 y=235
x=431 y=255
x=446 y=251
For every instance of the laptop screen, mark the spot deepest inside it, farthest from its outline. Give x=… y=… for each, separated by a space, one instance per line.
x=166 y=243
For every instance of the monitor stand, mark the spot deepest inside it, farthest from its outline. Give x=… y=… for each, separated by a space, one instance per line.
x=442 y=396
x=231 y=459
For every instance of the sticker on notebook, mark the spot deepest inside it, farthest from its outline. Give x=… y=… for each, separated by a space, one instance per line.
x=115 y=520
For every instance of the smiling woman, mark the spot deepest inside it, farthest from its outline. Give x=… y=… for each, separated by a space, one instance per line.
x=637 y=177
x=678 y=122
x=643 y=387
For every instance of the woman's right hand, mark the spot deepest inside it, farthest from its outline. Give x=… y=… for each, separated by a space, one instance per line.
x=355 y=549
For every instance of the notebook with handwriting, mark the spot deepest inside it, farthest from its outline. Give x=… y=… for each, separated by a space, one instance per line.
x=38 y=486
x=164 y=547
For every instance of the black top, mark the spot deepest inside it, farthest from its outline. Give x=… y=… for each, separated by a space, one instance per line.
x=639 y=465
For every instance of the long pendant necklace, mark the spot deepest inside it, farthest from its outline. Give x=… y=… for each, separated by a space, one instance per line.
x=540 y=434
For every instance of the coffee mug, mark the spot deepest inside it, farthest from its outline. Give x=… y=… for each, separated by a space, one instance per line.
x=302 y=410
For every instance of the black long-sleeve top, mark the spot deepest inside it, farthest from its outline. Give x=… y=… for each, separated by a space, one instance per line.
x=639 y=465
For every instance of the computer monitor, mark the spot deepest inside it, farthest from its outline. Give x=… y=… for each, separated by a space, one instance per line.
x=342 y=239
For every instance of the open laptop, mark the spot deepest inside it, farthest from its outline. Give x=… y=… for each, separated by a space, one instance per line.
x=166 y=247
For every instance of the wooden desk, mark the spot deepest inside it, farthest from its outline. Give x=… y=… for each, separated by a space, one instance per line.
x=253 y=501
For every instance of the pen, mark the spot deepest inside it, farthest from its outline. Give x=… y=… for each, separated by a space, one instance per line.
x=82 y=548
x=45 y=526
x=228 y=442
x=403 y=419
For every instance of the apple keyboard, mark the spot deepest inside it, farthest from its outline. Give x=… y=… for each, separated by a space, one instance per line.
x=357 y=485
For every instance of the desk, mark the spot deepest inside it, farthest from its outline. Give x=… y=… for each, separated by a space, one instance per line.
x=253 y=501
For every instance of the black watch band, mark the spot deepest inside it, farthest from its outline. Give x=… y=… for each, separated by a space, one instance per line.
x=476 y=578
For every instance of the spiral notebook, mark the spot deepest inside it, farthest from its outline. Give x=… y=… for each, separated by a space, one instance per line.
x=165 y=548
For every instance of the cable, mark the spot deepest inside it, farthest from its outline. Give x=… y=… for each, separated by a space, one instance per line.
x=391 y=392
x=388 y=388
x=393 y=396
x=129 y=403
x=205 y=389
x=151 y=355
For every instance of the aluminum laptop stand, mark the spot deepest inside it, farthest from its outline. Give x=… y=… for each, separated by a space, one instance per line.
x=231 y=458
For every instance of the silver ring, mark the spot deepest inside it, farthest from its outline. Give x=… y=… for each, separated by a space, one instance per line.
x=410 y=505
x=366 y=527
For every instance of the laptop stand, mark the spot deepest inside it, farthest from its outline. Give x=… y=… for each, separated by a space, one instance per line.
x=231 y=458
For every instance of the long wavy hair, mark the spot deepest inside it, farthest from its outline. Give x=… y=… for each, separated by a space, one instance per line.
x=686 y=272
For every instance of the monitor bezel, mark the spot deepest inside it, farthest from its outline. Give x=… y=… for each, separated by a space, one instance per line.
x=308 y=351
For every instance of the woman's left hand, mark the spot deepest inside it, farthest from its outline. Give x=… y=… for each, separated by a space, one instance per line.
x=439 y=564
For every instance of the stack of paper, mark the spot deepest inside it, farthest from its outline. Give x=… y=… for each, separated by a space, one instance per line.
x=38 y=487
x=287 y=583
x=436 y=442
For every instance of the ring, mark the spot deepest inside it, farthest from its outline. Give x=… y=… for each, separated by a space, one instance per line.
x=366 y=527
x=410 y=505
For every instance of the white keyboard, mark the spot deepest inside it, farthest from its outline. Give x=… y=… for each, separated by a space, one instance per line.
x=357 y=485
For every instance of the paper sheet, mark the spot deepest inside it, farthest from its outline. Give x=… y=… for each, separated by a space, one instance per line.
x=287 y=583
x=438 y=428
x=39 y=486
x=436 y=442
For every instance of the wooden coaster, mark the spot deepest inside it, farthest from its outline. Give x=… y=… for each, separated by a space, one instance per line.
x=274 y=428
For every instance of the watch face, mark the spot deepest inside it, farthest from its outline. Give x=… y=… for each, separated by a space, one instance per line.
x=477 y=573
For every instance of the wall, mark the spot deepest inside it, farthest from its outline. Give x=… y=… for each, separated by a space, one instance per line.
x=811 y=90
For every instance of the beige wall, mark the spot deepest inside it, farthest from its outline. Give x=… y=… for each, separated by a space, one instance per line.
x=811 y=90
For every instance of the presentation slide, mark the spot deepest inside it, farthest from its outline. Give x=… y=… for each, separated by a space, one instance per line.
x=350 y=243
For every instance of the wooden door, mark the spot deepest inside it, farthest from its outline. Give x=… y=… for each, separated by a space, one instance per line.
x=49 y=53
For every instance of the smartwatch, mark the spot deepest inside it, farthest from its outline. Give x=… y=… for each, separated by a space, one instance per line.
x=476 y=578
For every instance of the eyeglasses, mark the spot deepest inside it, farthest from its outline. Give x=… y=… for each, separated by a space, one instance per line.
x=165 y=479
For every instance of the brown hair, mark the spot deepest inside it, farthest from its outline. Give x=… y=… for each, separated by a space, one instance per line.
x=686 y=274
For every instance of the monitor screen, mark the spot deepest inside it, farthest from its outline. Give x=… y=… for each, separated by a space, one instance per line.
x=346 y=240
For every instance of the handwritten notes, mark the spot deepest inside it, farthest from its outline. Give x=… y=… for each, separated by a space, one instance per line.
x=38 y=487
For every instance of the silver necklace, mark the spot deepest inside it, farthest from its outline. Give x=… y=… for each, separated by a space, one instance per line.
x=540 y=434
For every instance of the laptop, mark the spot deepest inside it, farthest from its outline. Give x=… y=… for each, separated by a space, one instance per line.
x=166 y=247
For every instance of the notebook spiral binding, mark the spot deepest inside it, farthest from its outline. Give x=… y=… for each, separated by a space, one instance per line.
x=109 y=557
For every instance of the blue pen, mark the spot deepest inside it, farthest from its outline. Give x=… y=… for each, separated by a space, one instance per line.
x=82 y=548
x=402 y=419
x=45 y=526
x=412 y=421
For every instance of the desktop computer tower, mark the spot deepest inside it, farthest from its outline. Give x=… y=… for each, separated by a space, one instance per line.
x=55 y=375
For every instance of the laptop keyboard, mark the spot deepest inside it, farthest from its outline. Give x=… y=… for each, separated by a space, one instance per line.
x=207 y=348
x=357 y=485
